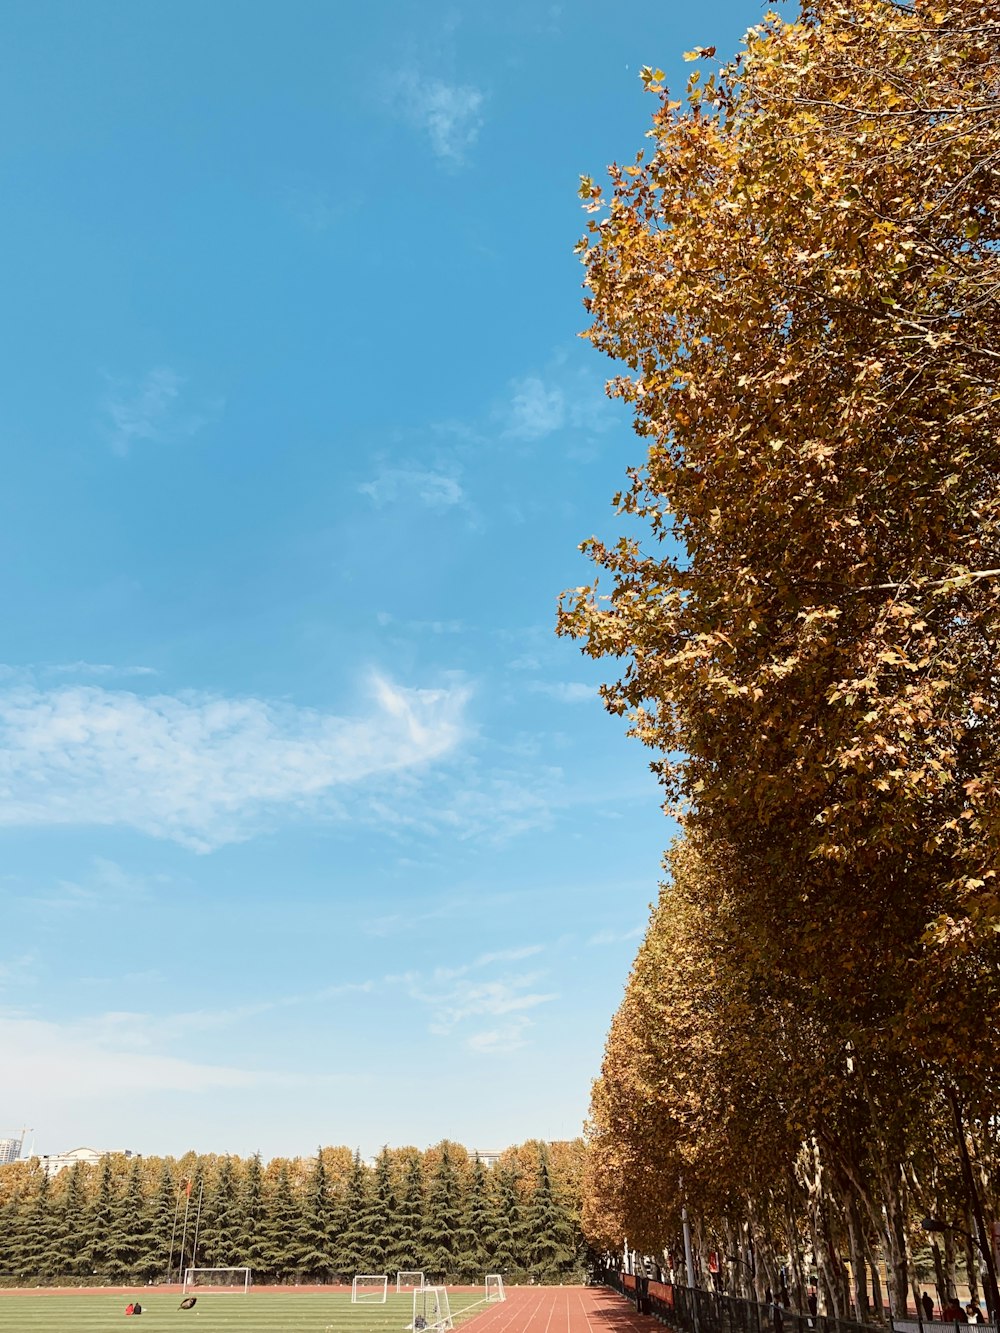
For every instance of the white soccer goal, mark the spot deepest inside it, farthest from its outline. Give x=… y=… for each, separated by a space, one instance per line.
x=431 y=1310
x=409 y=1281
x=494 y=1287
x=225 y=1281
x=369 y=1288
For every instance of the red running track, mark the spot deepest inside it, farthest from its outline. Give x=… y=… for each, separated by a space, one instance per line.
x=562 y=1310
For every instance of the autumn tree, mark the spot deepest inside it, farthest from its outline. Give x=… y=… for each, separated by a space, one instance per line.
x=801 y=280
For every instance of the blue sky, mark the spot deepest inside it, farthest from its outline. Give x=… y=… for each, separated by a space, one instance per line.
x=306 y=812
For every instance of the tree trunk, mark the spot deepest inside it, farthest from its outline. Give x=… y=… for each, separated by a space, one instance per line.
x=895 y=1235
x=795 y=1251
x=949 y=1265
x=859 y=1295
x=940 y=1279
x=971 y=1268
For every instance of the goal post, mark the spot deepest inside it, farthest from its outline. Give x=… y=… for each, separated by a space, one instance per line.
x=431 y=1310
x=369 y=1288
x=225 y=1281
x=494 y=1287
x=411 y=1280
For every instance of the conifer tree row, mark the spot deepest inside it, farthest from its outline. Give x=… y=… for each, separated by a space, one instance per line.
x=303 y=1220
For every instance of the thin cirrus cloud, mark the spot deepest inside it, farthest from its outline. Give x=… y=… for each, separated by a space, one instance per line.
x=106 y=887
x=450 y=114
x=151 y=410
x=97 y=669
x=202 y=769
x=460 y=999
x=51 y=1057
x=565 y=691
x=617 y=936
x=436 y=489
x=535 y=409
x=538 y=405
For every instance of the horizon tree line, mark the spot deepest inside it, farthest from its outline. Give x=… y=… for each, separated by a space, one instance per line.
x=311 y=1220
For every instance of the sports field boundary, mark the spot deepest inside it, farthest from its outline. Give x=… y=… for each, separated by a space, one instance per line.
x=312 y=1309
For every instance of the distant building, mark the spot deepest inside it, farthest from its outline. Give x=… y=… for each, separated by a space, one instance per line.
x=57 y=1162
x=10 y=1150
x=487 y=1158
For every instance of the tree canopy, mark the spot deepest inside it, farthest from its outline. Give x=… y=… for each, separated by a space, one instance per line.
x=297 y=1220
x=800 y=276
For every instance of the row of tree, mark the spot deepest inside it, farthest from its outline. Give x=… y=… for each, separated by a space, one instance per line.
x=802 y=276
x=305 y=1220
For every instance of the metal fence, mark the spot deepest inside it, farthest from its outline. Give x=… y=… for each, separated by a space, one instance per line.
x=689 y=1310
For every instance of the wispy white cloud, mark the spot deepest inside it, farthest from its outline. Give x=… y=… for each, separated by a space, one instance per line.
x=561 y=397
x=386 y=620
x=204 y=769
x=97 y=1058
x=500 y=1040
x=565 y=691
x=105 y=887
x=150 y=410
x=17 y=970
x=458 y=998
x=105 y=669
x=436 y=489
x=456 y=1002
x=535 y=409
x=617 y=936
x=450 y=114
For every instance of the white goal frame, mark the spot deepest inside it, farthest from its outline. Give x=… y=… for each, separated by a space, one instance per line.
x=432 y=1307
x=494 y=1288
x=379 y=1284
x=194 y=1280
x=407 y=1279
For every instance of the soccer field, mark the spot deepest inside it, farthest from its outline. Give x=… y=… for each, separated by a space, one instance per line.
x=258 y=1312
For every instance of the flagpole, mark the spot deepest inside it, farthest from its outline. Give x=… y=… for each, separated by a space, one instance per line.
x=197 y=1225
x=173 y=1234
x=187 y=1205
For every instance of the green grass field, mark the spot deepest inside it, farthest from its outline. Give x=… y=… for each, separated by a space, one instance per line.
x=264 y=1312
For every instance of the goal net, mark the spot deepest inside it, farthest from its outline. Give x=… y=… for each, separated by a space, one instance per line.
x=431 y=1310
x=369 y=1288
x=494 y=1287
x=412 y=1281
x=234 y=1281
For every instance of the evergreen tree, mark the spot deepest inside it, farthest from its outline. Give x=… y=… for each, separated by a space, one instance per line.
x=508 y=1250
x=159 y=1223
x=11 y=1236
x=551 y=1242
x=220 y=1234
x=282 y=1229
x=382 y=1220
x=480 y=1225
x=127 y=1225
x=316 y=1233
x=252 y=1249
x=98 y=1238
x=409 y=1216
x=70 y=1224
x=37 y=1230
x=441 y=1228
x=354 y=1241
